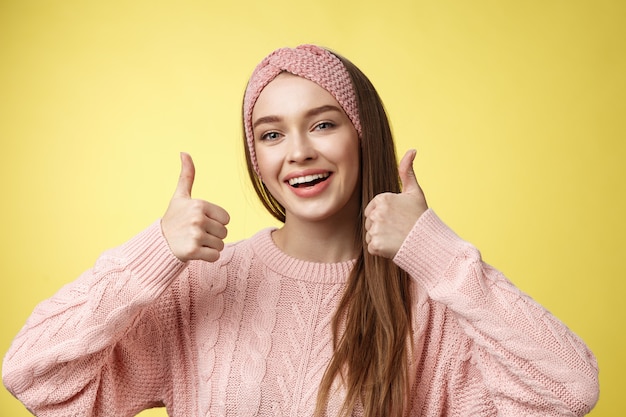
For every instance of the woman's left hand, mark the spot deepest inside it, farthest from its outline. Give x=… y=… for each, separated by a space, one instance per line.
x=390 y=217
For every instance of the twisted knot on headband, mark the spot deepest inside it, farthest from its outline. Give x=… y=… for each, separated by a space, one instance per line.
x=308 y=61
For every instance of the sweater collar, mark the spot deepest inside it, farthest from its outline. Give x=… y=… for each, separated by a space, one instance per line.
x=278 y=261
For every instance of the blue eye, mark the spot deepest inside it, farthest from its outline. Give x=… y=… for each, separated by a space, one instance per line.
x=270 y=136
x=324 y=125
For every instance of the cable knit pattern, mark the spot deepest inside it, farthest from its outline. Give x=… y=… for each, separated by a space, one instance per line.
x=251 y=335
x=209 y=314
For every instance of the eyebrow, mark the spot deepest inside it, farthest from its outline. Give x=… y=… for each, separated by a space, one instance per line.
x=312 y=112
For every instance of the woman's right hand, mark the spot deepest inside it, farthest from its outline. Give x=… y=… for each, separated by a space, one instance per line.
x=194 y=229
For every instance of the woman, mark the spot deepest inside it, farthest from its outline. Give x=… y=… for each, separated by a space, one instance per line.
x=362 y=303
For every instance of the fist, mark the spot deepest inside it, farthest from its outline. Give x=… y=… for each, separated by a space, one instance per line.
x=194 y=229
x=389 y=217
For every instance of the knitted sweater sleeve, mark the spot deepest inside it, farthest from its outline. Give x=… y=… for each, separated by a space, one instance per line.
x=94 y=347
x=527 y=361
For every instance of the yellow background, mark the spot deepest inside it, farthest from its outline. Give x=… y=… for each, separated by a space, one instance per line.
x=517 y=109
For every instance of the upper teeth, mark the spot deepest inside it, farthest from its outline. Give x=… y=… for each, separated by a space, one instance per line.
x=307 y=178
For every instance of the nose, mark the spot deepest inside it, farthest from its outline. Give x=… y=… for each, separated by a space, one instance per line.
x=301 y=148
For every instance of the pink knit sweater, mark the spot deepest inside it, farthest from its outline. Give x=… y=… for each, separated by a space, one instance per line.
x=249 y=335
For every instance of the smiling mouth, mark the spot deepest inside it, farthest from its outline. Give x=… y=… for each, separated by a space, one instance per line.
x=308 y=180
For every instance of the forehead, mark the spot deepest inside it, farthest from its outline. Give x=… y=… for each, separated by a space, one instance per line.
x=289 y=93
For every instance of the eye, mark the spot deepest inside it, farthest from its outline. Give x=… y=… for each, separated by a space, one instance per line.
x=324 y=125
x=269 y=136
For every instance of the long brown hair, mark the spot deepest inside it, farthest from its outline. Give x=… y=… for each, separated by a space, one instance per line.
x=372 y=324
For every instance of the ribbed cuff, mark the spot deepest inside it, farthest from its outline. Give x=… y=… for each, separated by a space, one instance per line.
x=428 y=250
x=150 y=260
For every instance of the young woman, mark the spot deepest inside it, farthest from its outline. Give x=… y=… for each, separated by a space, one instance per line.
x=363 y=303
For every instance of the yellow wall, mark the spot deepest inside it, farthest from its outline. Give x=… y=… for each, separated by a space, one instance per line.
x=517 y=110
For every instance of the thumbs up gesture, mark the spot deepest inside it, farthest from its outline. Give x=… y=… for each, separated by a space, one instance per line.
x=390 y=217
x=194 y=229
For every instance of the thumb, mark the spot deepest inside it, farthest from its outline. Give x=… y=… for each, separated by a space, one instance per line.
x=187 y=175
x=407 y=175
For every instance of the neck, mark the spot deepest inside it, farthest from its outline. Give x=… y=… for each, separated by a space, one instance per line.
x=315 y=242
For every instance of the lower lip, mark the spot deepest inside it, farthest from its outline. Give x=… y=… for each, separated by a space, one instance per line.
x=308 y=192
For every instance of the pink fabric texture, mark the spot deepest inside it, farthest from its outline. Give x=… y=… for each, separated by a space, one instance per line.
x=308 y=61
x=249 y=335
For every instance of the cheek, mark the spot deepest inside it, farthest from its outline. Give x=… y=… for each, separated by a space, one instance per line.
x=352 y=158
x=264 y=161
x=270 y=165
x=355 y=162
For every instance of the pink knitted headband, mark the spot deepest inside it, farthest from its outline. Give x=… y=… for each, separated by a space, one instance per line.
x=307 y=61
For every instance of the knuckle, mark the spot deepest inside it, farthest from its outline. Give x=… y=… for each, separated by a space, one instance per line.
x=212 y=256
x=221 y=232
x=196 y=219
x=383 y=198
x=197 y=207
x=372 y=249
x=196 y=234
